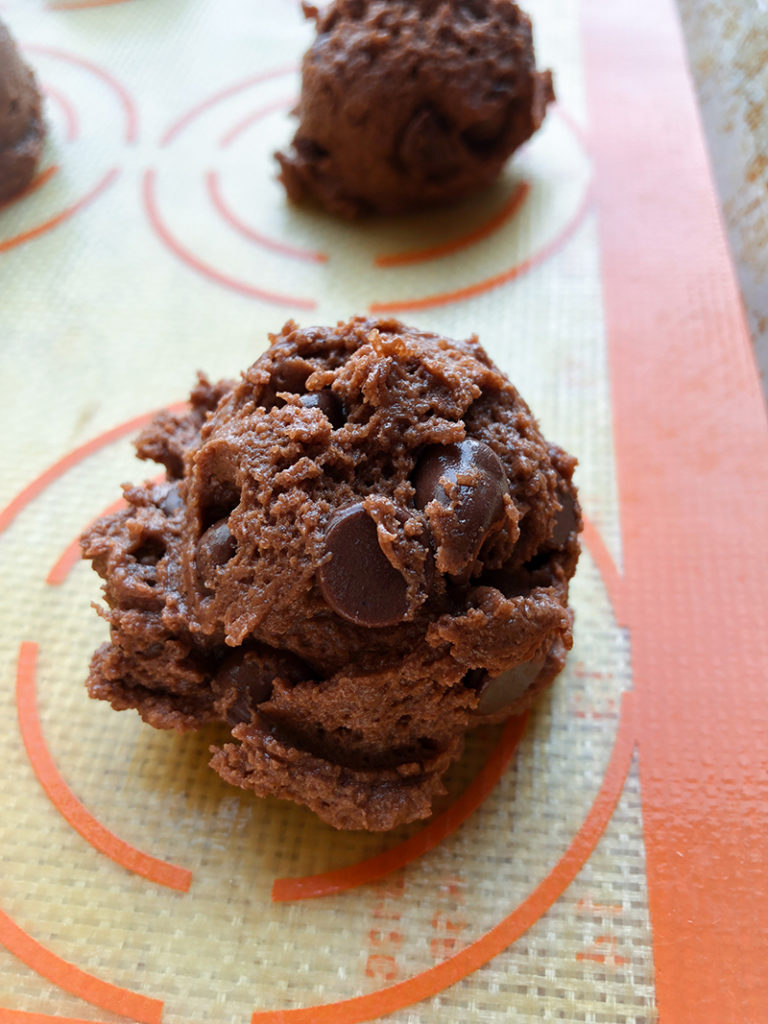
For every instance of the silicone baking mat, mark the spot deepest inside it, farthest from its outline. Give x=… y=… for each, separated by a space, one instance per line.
x=603 y=861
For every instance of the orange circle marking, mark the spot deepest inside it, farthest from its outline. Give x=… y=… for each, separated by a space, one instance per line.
x=37 y=182
x=221 y=207
x=70 y=556
x=81 y=5
x=253 y=118
x=192 y=261
x=64 y=464
x=486 y=285
x=427 y=839
x=65 y=975
x=129 y=107
x=478 y=953
x=65 y=802
x=53 y=222
x=498 y=220
x=224 y=94
x=70 y=114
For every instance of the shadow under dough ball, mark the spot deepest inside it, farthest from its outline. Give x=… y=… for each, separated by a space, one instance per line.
x=22 y=131
x=412 y=103
x=362 y=550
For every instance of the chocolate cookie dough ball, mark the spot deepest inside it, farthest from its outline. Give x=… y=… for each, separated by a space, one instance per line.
x=22 y=131
x=361 y=551
x=412 y=103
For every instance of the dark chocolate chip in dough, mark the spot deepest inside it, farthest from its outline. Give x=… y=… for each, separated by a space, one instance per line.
x=477 y=495
x=291 y=375
x=214 y=549
x=510 y=582
x=565 y=520
x=499 y=692
x=245 y=679
x=327 y=403
x=519 y=581
x=484 y=135
x=358 y=581
x=428 y=146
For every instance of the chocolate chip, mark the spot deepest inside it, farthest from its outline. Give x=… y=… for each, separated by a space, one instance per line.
x=327 y=403
x=477 y=497
x=357 y=581
x=221 y=497
x=510 y=582
x=499 y=692
x=245 y=679
x=172 y=502
x=427 y=148
x=214 y=549
x=291 y=375
x=565 y=520
x=521 y=580
x=482 y=136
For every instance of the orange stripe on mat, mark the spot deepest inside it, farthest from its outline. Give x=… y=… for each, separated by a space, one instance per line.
x=452 y=970
x=427 y=839
x=66 y=803
x=692 y=458
x=498 y=220
x=72 y=979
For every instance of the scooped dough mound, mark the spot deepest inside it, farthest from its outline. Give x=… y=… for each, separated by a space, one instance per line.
x=22 y=131
x=360 y=551
x=412 y=103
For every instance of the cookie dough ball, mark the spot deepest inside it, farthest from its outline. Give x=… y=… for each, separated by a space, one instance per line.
x=362 y=550
x=22 y=131
x=412 y=103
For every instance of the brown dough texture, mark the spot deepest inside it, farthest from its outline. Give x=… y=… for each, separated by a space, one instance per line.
x=412 y=103
x=22 y=131
x=301 y=505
